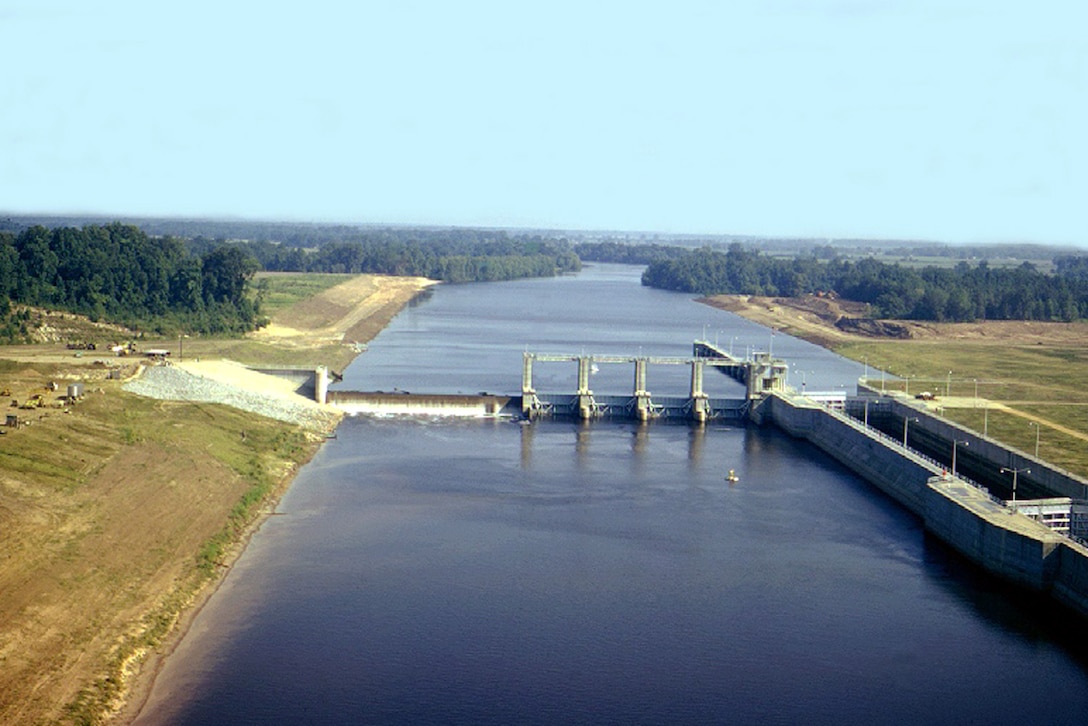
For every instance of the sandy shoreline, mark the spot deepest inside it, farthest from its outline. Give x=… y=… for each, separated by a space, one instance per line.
x=142 y=681
x=365 y=318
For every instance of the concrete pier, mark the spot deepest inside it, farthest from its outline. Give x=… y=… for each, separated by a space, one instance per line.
x=587 y=407
x=321 y=384
x=644 y=405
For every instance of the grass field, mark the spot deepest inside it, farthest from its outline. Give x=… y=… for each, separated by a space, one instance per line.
x=1045 y=384
x=282 y=290
x=114 y=512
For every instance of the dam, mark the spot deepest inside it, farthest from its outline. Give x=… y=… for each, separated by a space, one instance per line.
x=1037 y=544
x=760 y=374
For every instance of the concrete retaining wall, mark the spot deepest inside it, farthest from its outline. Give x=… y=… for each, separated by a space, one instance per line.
x=1005 y=543
x=1057 y=481
x=1070 y=586
x=893 y=469
x=1002 y=541
x=303 y=378
x=354 y=402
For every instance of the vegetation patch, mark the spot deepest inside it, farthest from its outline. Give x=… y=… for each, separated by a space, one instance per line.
x=279 y=291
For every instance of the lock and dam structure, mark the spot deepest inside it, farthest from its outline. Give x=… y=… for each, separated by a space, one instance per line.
x=940 y=471
x=759 y=374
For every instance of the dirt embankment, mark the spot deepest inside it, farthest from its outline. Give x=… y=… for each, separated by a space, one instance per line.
x=106 y=504
x=829 y=322
x=352 y=312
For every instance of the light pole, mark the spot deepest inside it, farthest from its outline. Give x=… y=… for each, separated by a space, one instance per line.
x=976 y=393
x=731 y=345
x=1014 y=473
x=905 y=422
x=1036 y=425
x=948 y=387
x=804 y=378
x=965 y=442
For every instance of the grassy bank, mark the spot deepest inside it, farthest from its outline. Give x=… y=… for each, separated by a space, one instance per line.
x=114 y=515
x=118 y=511
x=1002 y=387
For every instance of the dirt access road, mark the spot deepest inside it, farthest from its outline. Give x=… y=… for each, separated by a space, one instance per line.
x=106 y=504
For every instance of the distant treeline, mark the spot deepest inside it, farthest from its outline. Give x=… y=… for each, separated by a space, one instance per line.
x=164 y=278
x=961 y=293
x=118 y=273
x=449 y=255
x=628 y=254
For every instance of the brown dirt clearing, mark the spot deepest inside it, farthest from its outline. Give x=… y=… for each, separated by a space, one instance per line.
x=352 y=312
x=813 y=318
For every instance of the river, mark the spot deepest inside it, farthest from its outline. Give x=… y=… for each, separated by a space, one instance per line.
x=430 y=571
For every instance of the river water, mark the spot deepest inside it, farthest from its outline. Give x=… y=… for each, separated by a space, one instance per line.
x=431 y=571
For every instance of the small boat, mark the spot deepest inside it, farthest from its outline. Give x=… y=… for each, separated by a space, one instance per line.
x=732 y=476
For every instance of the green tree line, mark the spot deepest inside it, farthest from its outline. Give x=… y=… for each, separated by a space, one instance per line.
x=459 y=256
x=628 y=254
x=961 y=293
x=117 y=273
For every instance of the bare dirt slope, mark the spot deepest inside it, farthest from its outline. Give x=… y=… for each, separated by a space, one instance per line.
x=814 y=319
x=353 y=311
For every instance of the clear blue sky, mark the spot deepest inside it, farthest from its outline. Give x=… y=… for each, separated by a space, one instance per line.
x=954 y=120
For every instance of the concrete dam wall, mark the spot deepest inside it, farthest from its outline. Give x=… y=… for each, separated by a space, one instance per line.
x=898 y=472
x=998 y=538
x=414 y=404
x=982 y=457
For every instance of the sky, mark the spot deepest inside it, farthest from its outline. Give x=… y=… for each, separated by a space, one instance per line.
x=947 y=120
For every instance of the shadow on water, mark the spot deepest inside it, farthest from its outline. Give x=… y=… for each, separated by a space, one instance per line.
x=1035 y=617
x=1032 y=616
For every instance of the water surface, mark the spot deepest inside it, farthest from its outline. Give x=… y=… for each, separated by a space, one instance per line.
x=473 y=572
